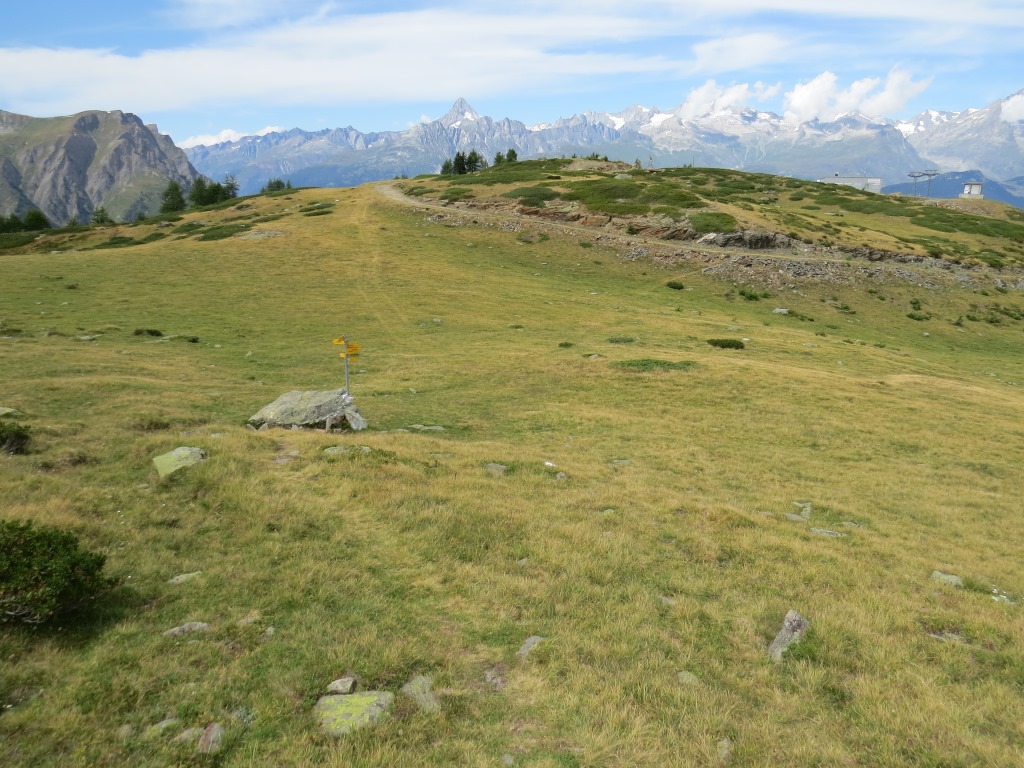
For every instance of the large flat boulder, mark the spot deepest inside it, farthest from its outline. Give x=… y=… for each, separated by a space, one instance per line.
x=311 y=409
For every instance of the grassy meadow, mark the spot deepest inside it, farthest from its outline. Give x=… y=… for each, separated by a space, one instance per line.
x=663 y=547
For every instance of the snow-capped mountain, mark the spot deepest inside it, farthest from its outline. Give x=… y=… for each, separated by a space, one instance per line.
x=990 y=140
x=746 y=139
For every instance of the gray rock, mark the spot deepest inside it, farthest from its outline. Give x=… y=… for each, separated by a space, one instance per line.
x=343 y=685
x=508 y=760
x=310 y=409
x=561 y=476
x=725 y=749
x=688 y=678
x=185 y=629
x=341 y=450
x=827 y=532
x=495 y=677
x=796 y=518
x=528 y=645
x=182 y=578
x=243 y=717
x=267 y=634
x=780 y=311
x=339 y=715
x=948 y=637
x=419 y=690
x=211 y=739
x=794 y=627
x=947 y=578
x=497 y=469
x=805 y=508
x=124 y=733
x=621 y=463
x=188 y=736
x=12 y=412
x=433 y=428
x=178 y=459
x=158 y=730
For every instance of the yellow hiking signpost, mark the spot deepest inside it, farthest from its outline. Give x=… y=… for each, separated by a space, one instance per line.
x=351 y=351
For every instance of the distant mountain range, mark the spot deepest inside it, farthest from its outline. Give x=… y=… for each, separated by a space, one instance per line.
x=989 y=141
x=69 y=166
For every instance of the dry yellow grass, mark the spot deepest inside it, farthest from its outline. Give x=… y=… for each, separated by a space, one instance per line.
x=409 y=559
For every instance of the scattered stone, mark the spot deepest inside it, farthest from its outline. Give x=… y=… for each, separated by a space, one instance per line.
x=805 y=508
x=338 y=715
x=947 y=578
x=267 y=634
x=340 y=450
x=124 y=733
x=87 y=338
x=158 y=729
x=530 y=643
x=438 y=320
x=780 y=311
x=243 y=717
x=725 y=749
x=688 y=678
x=826 y=532
x=310 y=409
x=178 y=459
x=182 y=578
x=12 y=412
x=343 y=686
x=419 y=690
x=211 y=739
x=794 y=627
x=434 y=428
x=621 y=463
x=189 y=735
x=948 y=637
x=561 y=476
x=523 y=562
x=497 y=469
x=666 y=600
x=185 y=629
x=796 y=518
x=250 y=618
x=508 y=760
x=495 y=677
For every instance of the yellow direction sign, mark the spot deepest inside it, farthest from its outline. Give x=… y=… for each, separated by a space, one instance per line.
x=354 y=349
x=350 y=356
x=340 y=340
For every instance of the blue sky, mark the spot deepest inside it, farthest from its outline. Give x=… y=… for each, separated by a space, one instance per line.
x=202 y=68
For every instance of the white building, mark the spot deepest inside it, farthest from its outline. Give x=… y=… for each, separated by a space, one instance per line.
x=973 y=190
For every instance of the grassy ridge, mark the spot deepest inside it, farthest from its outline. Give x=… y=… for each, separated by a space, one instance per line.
x=665 y=549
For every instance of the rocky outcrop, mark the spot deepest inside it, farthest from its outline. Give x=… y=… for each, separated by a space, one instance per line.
x=69 y=166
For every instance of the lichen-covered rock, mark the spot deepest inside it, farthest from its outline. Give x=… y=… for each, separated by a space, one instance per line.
x=312 y=409
x=419 y=690
x=794 y=627
x=178 y=459
x=338 y=715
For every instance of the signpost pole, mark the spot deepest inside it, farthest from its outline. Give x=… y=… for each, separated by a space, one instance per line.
x=345 y=338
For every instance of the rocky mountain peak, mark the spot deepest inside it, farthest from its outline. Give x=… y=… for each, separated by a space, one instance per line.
x=461 y=112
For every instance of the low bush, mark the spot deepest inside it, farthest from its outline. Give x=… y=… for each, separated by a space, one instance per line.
x=13 y=438
x=621 y=340
x=44 y=573
x=727 y=343
x=646 y=365
x=675 y=285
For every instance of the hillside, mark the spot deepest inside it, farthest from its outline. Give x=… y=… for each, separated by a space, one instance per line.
x=69 y=166
x=555 y=450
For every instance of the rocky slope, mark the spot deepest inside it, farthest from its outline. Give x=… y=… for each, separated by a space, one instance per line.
x=69 y=166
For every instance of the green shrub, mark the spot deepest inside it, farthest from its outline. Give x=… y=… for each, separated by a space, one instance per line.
x=750 y=295
x=675 y=285
x=43 y=573
x=13 y=438
x=621 y=340
x=147 y=332
x=712 y=222
x=646 y=365
x=566 y=344
x=726 y=343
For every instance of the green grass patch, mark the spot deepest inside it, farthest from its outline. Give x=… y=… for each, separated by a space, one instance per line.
x=648 y=365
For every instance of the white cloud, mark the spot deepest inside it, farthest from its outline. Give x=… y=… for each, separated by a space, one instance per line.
x=1013 y=108
x=712 y=97
x=216 y=14
x=822 y=98
x=729 y=54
